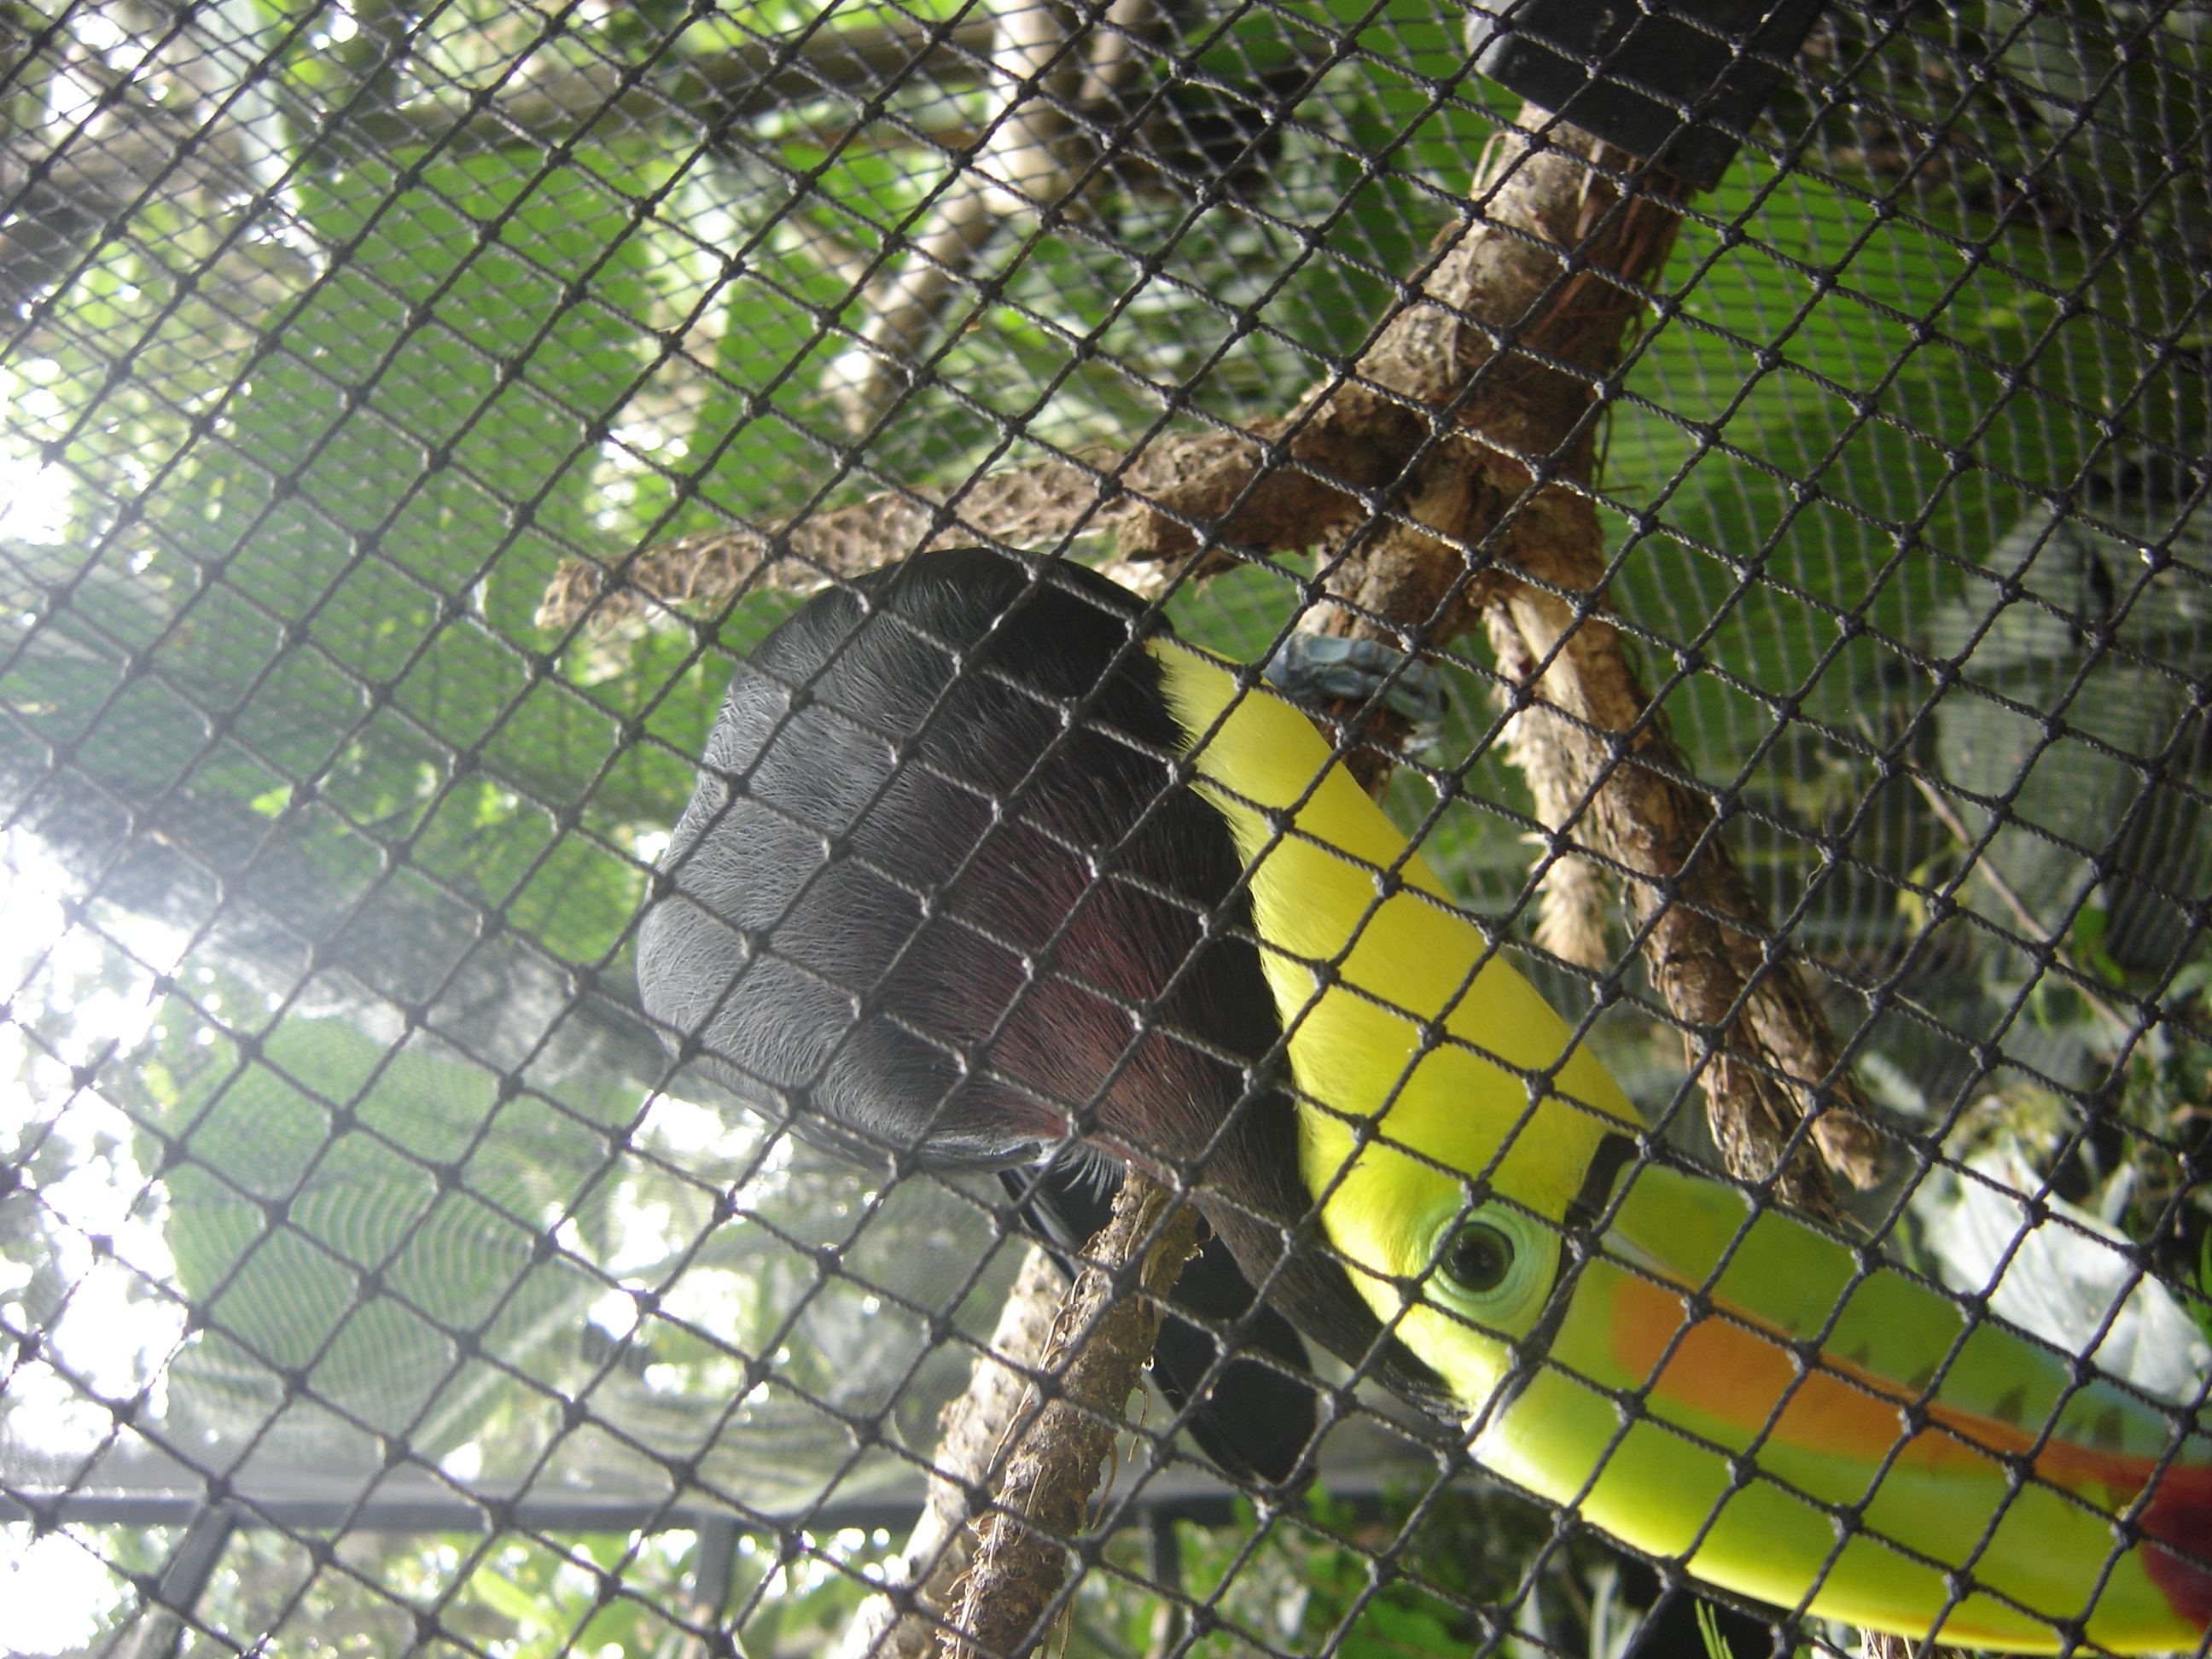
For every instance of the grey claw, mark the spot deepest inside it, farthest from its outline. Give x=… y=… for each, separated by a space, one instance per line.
x=1313 y=669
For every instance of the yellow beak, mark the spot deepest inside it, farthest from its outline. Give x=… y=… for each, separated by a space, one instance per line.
x=1809 y=1424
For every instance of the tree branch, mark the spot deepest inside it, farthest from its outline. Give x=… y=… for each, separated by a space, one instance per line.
x=708 y=91
x=903 y=1622
x=1501 y=366
x=1016 y=171
x=1100 y=1342
x=1025 y=506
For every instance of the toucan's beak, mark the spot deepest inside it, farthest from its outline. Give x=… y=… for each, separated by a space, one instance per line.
x=1806 y=1424
x=1787 y=1416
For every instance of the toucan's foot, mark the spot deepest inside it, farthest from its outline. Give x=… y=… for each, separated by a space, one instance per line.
x=1315 y=669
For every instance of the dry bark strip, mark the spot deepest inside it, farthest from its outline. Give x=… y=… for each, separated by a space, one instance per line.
x=1099 y=1345
x=1446 y=476
x=903 y=1622
x=1026 y=507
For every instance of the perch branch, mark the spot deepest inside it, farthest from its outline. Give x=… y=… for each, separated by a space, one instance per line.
x=1522 y=324
x=903 y=1622
x=1099 y=1345
x=1023 y=507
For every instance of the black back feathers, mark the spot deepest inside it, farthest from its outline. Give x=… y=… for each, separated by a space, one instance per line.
x=939 y=897
x=935 y=893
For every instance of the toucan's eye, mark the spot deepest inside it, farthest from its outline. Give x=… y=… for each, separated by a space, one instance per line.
x=1478 y=1257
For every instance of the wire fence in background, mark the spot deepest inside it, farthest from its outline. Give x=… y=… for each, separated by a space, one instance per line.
x=413 y=412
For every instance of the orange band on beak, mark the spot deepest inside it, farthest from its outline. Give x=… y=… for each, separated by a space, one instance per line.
x=1730 y=1369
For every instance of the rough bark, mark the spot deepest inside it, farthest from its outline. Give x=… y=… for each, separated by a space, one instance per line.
x=904 y=1621
x=1616 y=786
x=1099 y=1345
x=1504 y=360
x=1025 y=507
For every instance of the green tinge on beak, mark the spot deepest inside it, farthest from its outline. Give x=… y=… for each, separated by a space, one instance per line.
x=1822 y=1432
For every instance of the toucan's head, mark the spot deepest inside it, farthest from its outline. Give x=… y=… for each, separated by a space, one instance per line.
x=946 y=893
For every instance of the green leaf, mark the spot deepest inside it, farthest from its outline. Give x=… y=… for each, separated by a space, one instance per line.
x=1709 y=1632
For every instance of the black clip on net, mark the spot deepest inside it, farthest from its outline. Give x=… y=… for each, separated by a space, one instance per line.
x=1677 y=81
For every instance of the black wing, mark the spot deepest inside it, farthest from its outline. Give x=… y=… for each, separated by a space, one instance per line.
x=941 y=898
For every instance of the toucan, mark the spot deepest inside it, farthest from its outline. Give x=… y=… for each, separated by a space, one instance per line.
x=985 y=865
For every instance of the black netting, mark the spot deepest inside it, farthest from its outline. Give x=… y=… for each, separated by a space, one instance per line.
x=1739 y=513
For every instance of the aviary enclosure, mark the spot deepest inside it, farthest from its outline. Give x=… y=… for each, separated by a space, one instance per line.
x=1729 y=482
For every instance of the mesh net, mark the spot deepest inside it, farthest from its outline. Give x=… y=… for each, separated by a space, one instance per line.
x=413 y=418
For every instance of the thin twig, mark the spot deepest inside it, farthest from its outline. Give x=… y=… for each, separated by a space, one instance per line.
x=1985 y=867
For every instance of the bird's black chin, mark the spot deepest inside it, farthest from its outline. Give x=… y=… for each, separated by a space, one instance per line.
x=1254 y=1198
